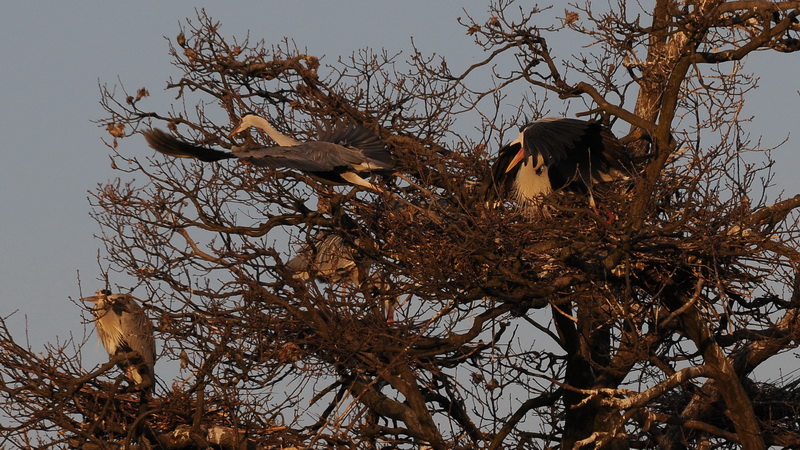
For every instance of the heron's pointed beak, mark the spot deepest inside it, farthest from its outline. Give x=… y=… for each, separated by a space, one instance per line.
x=239 y=128
x=93 y=299
x=517 y=158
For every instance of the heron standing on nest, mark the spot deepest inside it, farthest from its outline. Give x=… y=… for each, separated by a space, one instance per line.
x=559 y=153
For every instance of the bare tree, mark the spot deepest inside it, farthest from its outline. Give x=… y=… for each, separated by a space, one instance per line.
x=564 y=330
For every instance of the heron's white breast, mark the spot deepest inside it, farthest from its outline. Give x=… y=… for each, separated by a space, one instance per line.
x=532 y=180
x=109 y=328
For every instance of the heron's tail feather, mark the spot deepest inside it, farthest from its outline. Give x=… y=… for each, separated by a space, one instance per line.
x=170 y=145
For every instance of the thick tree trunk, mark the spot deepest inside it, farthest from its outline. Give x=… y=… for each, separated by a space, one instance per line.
x=584 y=343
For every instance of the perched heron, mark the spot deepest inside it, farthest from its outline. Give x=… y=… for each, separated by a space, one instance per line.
x=559 y=153
x=123 y=327
x=331 y=259
x=328 y=258
x=342 y=154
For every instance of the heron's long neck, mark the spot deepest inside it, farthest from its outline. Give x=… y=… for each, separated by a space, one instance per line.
x=275 y=135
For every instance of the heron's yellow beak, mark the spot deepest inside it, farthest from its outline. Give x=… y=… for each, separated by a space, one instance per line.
x=517 y=158
x=239 y=128
x=93 y=299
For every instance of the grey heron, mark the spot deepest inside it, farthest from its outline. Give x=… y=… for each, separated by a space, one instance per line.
x=328 y=258
x=559 y=153
x=341 y=154
x=331 y=259
x=123 y=327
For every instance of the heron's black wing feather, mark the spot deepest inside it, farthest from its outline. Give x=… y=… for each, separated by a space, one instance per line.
x=357 y=137
x=614 y=152
x=554 y=138
x=575 y=149
x=504 y=180
x=170 y=145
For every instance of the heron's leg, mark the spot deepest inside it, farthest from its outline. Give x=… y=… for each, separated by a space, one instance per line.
x=389 y=305
x=355 y=179
x=607 y=213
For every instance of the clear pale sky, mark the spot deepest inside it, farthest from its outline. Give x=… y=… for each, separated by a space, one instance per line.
x=53 y=55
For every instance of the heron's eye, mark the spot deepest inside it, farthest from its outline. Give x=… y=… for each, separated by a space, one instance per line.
x=540 y=170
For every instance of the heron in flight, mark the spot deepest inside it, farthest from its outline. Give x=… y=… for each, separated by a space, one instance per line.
x=557 y=153
x=123 y=327
x=341 y=154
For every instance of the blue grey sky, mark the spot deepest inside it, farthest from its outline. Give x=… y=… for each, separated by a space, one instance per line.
x=53 y=56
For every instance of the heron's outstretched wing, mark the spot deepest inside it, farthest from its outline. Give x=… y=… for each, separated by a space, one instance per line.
x=554 y=138
x=312 y=157
x=573 y=148
x=170 y=145
x=373 y=149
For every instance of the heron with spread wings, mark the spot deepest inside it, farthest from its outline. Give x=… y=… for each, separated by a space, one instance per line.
x=341 y=154
x=558 y=153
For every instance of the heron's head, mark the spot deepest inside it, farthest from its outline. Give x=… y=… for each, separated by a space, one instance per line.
x=247 y=121
x=101 y=294
x=519 y=156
